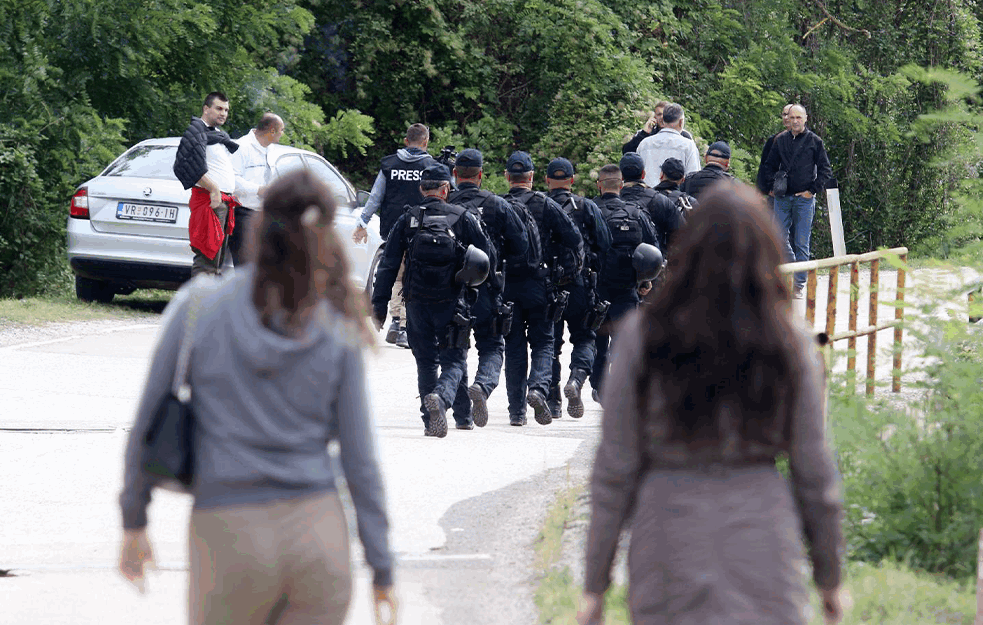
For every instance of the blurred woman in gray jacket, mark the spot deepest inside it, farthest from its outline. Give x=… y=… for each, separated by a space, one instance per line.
x=718 y=381
x=276 y=372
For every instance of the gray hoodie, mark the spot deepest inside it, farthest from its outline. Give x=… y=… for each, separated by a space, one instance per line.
x=266 y=407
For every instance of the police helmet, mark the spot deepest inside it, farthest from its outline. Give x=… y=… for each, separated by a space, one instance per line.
x=647 y=261
x=475 y=268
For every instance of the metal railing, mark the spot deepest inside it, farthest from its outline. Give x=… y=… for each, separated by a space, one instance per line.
x=873 y=327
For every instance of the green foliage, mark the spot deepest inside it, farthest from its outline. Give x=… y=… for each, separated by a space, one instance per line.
x=913 y=474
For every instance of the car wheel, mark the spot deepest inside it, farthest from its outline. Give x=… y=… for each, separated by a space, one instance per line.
x=375 y=265
x=89 y=290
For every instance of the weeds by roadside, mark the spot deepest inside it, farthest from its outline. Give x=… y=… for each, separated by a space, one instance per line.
x=34 y=311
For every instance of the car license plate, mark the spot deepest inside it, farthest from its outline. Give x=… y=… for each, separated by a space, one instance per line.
x=142 y=212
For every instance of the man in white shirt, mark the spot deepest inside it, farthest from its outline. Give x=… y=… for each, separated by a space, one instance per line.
x=668 y=143
x=253 y=172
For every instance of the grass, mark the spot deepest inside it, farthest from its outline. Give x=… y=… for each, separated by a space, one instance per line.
x=888 y=594
x=34 y=311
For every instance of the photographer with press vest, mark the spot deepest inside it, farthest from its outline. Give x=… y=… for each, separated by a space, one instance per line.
x=492 y=315
x=531 y=286
x=396 y=186
x=585 y=310
x=445 y=252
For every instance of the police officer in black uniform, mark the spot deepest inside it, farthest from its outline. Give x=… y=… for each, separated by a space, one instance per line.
x=433 y=236
x=629 y=226
x=396 y=187
x=673 y=174
x=527 y=286
x=661 y=211
x=717 y=161
x=583 y=301
x=508 y=240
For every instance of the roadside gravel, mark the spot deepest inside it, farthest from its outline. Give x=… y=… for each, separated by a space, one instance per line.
x=17 y=334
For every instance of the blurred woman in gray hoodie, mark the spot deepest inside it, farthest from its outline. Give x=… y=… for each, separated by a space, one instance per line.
x=276 y=372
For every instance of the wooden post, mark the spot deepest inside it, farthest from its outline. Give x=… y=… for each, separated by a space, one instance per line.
x=872 y=320
x=851 y=343
x=835 y=222
x=898 y=329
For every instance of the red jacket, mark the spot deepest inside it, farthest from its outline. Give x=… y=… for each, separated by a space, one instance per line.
x=205 y=232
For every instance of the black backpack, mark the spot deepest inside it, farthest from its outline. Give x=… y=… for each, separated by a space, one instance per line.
x=578 y=215
x=532 y=260
x=433 y=254
x=681 y=201
x=625 y=224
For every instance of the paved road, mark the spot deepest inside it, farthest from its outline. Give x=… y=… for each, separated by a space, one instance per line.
x=465 y=509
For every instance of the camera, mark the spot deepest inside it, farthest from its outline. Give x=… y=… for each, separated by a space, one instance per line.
x=447 y=157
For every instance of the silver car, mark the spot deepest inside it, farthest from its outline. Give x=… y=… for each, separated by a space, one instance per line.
x=128 y=226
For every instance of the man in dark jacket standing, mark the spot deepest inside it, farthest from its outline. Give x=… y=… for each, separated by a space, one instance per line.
x=629 y=226
x=432 y=236
x=801 y=155
x=508 y=240
x=396 y=186
x=765 y=151
x=583 y=289
x=661 y=211
x=203 y=163
x=717 y=161
x=527 y=287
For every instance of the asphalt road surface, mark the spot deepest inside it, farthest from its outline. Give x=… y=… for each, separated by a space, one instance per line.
x=465 y=510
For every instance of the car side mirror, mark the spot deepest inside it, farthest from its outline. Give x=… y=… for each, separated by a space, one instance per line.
x=362 y=198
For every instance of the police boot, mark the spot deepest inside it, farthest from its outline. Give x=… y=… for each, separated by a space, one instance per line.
x=437 y=425
x=555 y=403
x=537 y=401
x=392 y=334
x=479 y=405
x=575 y=407
x=402 y=340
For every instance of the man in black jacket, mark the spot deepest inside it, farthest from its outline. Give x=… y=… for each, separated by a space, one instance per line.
x=629 y=226
x=203 y=163
x=799 y=153
x=508 y=240
x=765 y=151
x=424 y=234
x=717 y=161
x=529 y=290
x=662 y=212
x=396 y=186
x=582 y=288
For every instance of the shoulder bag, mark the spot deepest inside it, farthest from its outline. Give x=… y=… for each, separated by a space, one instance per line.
x=779 y=185
x=168 y=446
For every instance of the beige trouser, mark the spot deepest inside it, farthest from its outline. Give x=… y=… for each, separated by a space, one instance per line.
x=397 y=307
x=286 y=562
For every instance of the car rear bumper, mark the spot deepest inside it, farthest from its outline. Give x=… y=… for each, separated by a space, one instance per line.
x=136 y=261
x=131 y=273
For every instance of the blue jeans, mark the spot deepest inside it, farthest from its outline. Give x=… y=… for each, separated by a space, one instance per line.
x=426 y=331
x=794 y=214
x=581 y=338
x=491 y=354
x=529 y=344
x=623 y=301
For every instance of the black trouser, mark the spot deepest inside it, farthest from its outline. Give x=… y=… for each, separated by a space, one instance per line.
x=427 y=335
x=237 y=242
x=581 y=337
x=623 y=301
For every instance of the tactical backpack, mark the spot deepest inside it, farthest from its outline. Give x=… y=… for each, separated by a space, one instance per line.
x=681 y=201
x=433 y=254
x=532 y=260
x=563 y=263
x=625 y=224
x=578 y=215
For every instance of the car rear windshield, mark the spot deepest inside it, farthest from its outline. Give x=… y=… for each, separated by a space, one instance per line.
x=145 y=161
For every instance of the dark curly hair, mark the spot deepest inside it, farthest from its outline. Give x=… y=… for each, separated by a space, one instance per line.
x=720 y=343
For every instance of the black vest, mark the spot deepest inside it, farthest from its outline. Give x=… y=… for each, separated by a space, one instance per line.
x=402 y=189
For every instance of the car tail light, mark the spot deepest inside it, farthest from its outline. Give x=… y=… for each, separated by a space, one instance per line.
x=80 y=204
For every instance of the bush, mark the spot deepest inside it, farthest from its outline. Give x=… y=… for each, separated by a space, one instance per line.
x=913 y=474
